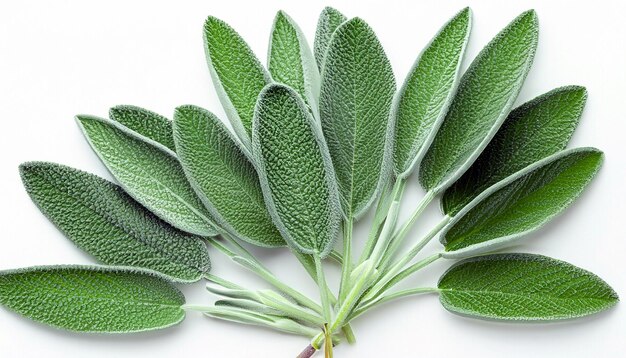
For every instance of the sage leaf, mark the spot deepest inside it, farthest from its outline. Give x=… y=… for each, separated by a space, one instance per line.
x=329 y=21
x=422 y=103
x=295 y=171
x=521 y=203
x=223 y=177
x=92 y=298
x=523 y=287
x=237 y=74
x=148 y=124
x=357 y=89
x=149 y=172
x=485 y=95
x=531 y=132
x=101 y=219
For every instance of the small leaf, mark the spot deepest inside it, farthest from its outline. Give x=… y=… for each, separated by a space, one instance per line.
x=149 y=172
x=521 y=203
x=92 y=298
x=485 y=95
x=108 y=224
x=237 y=74
x=295 y=171
x=329 y=21
x=144 y=122
x=422 y=103
x=223 y=177
x=523 y=287
x=531 y=132
x=357 y=89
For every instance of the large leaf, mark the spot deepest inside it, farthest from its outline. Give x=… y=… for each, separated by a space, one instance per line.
x=485 y=95
x=295 y=171
x=92 y=298
x=148 y=124
x=523 y=287
x=237 y=74
x=329 y=21
x=531 y=132
x=422 y=103
x=223 y=177
x=149 y=172
x=108 y=224
x=521 y=203
x=357 y=89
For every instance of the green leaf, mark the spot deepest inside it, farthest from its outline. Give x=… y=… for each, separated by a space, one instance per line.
x=357 y=89
x=531 y=132
x=485 y=95
x=291 y=61
x=237 y=74
x=223 y=177
x=92 y=298
x=149 y=172
x=295 y=171
x=144 y=122
x=422 y=103
x=329 y=21
x=523 y=287
x=521 y=203
x=108 y=224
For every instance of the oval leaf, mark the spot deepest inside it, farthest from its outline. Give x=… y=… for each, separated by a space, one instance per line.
x=329 y=21
x=148 y=124
x=523 y=287
x=92 y=299
x=521 y=203
x=485 y=95
x=357 y=89
x=108 y=224
x=531 y=132
x=295 y=171
x=149 y=172
x=223 y=177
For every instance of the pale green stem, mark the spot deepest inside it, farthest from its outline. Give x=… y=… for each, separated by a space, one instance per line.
x=390 y=223
x=321 y=282
x=410 y=292
x=336 y=256
x=346 y=267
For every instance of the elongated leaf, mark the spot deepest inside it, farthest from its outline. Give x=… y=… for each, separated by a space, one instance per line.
x=523 y=287
x=92 y=298
x=149 y=172
x=223 y=177
x=485 y=95
x=329 y=21
x=148 y=124
x=291 y=61
x=357 y=89
x=295 y=171
x=521 y=203
x=531 y=132
x=422 y=103
x=237 y=74
x=108 y=224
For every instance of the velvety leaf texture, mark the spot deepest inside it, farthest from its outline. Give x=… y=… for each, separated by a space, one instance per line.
x=144 y=122
x=223 y=177
x=422 y=103
x=295 y=171
x=485 y=95
x=92 y=299
x=521 y=203
x=357 y=89
x=523 y=287
x=149 y=172
x=100 y=218
x=329 y=21
x=531 y=132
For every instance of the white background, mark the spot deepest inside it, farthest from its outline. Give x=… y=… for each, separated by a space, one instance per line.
x=61 y=58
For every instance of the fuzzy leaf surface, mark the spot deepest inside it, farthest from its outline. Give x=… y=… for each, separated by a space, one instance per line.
x=329 y=21
x=147 y=123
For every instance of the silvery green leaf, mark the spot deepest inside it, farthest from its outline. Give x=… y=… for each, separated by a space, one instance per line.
x=357 y=89
x=100 y=218
x=149 y=172
x=295 y=171
x=148 y=124
x=521 y=203
x=92 y=298
x=531 y=132
x=237 y=74
x=422 y=103
x=223 y=177
x=329 y=21
x=523 y=287
x=485 y=95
